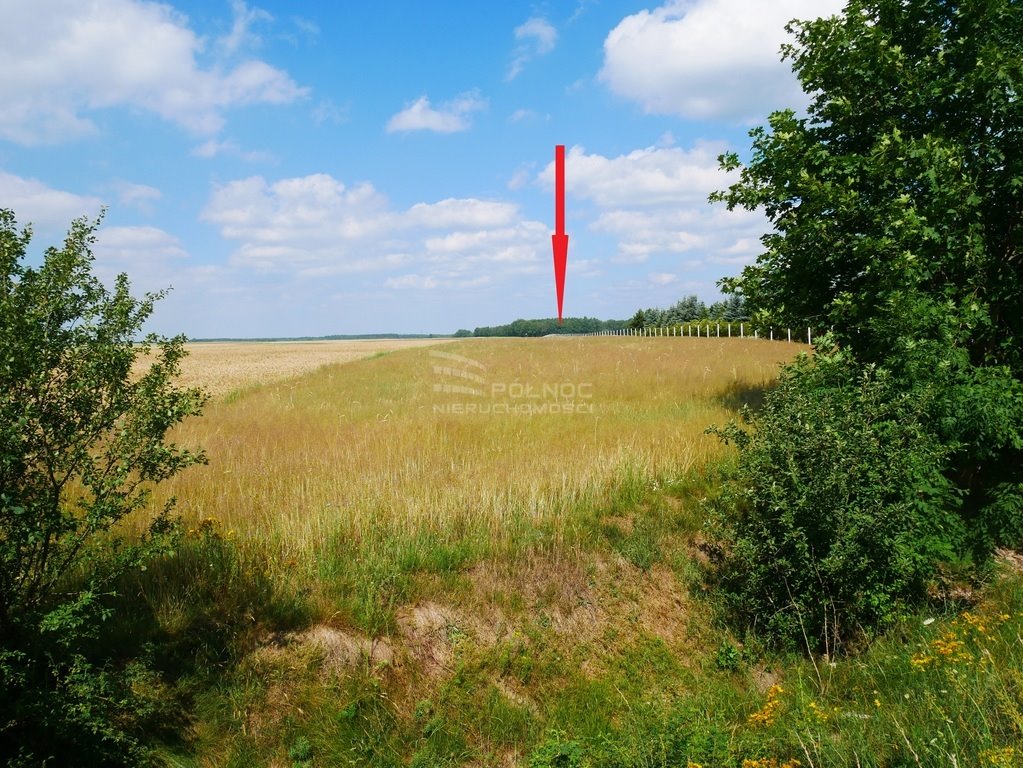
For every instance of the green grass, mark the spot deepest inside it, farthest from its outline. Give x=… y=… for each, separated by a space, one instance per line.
x=353 y=590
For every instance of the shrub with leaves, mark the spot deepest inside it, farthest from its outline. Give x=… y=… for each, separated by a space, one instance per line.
x=83 y=436
x=840 y=510
x=894 y=201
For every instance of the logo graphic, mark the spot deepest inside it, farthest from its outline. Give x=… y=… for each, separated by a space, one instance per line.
x=464 y=370
x=462 y=387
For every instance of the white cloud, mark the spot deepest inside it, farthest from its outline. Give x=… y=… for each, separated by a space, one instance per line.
x=47 y=209
x=462 y=213
x=329 y=112
x=417 y=282
x=710 y=231
x=316 y=225
x=708 y=59
x=309 y=29
x=138 y=196
x=535 y=37
x=65 y=59
x=521 y=114
x=653 y=203
x=241 y=34
x=650 y=176
x=663 y=278
x=451 y=117
x=461 y=251
x=581 y=7
x=520 y=178
x=214 y=147
x=300 y=220
x=134 y=246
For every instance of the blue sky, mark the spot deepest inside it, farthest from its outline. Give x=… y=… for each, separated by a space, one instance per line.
x=300 y=168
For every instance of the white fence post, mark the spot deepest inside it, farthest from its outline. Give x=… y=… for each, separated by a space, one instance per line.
x=790 y=335
x=808 y=336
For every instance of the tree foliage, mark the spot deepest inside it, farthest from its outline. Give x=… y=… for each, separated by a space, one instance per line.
x=549 y=325
x=896 y=201
x=840 y=512
x=85 y=412
x=896 y=207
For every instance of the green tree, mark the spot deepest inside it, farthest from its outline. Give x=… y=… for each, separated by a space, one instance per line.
x=686 y=310
x=895 y=206
x=86 y=403
x=896 y=201
x=638 y=320
x=732 y=308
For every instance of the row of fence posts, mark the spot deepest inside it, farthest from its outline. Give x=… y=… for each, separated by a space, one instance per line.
x=678 y=330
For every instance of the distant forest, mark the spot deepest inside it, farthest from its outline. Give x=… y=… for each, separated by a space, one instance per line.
x=685 y=310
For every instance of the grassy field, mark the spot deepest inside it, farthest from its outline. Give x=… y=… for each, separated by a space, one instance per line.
x=221 y=367
x=486 y=553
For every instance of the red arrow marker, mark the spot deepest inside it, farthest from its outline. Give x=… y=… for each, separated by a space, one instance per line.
x=559 y=238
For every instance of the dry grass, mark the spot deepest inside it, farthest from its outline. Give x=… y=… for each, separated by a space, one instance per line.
x=222 y=367
x=349 y=449
x=472 y=585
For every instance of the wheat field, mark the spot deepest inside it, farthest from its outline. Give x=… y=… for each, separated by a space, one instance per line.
x=221 y=367
x=380 y=444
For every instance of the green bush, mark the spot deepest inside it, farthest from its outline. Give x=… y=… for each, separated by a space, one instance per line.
x=557 y=751
x=840 y=510
x=82 y=439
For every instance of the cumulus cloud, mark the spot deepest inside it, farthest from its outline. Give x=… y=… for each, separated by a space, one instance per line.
x=66 y=59
x=652 y=203
x=649 y=176
x=461 y=212
x=130 y=247
x=535 y=37
x=317 y=225
x=708 y=59
x=451 y=117
x=47 y=209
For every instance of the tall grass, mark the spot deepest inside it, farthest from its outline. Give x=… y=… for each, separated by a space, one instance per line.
x=354 y=451
x=369 y=579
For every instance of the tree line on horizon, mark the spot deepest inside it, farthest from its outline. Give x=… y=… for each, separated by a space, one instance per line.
x=686 y=310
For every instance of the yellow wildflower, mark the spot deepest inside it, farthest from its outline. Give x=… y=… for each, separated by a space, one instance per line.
x=999 y=758
x=765 y=715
